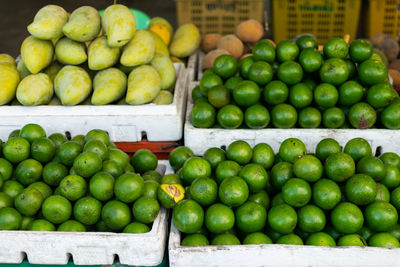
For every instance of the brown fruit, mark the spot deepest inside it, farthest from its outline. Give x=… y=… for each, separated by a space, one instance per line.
x=208 y=60
x=250 y=31
x=395 y=75
x=210 y=41
x=395 y=64
x=232 y=44
x=387 y=45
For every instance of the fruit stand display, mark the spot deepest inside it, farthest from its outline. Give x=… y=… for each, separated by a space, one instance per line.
x=254 y=212
x=82 y=188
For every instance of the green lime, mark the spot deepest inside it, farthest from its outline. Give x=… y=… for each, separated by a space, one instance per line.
x=209 y=81
x=327 y=147
x=310 y=117
x=395 y=197
x=145 y=209
x=389 y=158
x=171 y=178
x=73 y=187
x=10 y=219
x=326 y=95
x=97 y=147
x=80 y=139
x=350 y=93
x=112 y=168
x=390 y=116
x=128 y=187
x=232 y=82
x=339 y=167
x=311 y=219
x=362 y=116
x=336 y=48
x=347 y=218
x=56 y=209
x=360 y=50
x=383 y=240
x=371 y=72
x=150 y=189
x=361 y=189
x=373 y=167
x=170 y=194
x=202 y=115
x=261 y=198
x=282 y=218
x=284 y=116
x=352 y=240
x=204 y=191
x=225 y=169
x=290 y=72
x=41 y=225
x=274 y=235
x=239 y=151
x=71 y=226
x=178 y=156
x=26 y=222
x=225 y=239
x=290 y=239
x=300 y=95
x=244 y=66
x=219 y=96
x=68 y=151
x=365 y=232
x=29 y=201
x=292 y=149
x=225 y=66
x=214 y=156
x=256 y=238
x=308 y=167
x=97 y=134
x=310 y=59
x=352 y=68
x=246 y=93
x=195 y=240
x=119 y=156
x=14 y=133
x=188 y=216
x=296 y=192
x=195 y=167
x=43 y=188
x=334 y=71
x=6 y=201
x=196 y=93
x=87 y=210
x=53 y=173
x=28 y=171
x=230 y=117
x=12 y=188
x=277 y=200
x=306 y=41
x=395 y=231
x=380 y=216
x=101 y=186
x=6 y=169
x=392 y=177
x=358 y=148
x=263 y=50
x=320 y=239
x=219 y=218
x=233 y=191
x=260 y=72
x=43 y=149
x=101 y=226
x=116 y=214
x=16 y=149
x=381 y=95
x=255 y=176
x=275 y=92
x=281 y=173
x=263 y=155
x=136 y=228
x=326 y=194
x=144 y=160
x=251 y=217
x=58 y=139
x=383 y=193
x=32 y=131
x=287 y=50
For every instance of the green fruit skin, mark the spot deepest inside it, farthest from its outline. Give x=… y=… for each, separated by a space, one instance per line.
x=83 y=24
x=9 y=79
x=166 y=70
x=37 y=54
x=70 y=52
x=108 y=86
x=102 y=56
x=144 y=84
x=188 y=216
x=186 y=41
x=35 y=89
x=48 y=22
x=140 y=50
x=219 y=218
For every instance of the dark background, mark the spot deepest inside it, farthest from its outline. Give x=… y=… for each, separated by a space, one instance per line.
x=16 y=15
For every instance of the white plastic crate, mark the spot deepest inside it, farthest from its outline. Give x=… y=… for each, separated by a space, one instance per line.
x=89 y=248
x=199 y=140
x=192 y=67
x=278 y=255
x=124 y=123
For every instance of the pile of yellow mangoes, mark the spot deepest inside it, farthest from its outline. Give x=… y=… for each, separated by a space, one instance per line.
x=85 y=58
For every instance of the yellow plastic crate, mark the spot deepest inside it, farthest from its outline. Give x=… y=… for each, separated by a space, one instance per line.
x=323 y=18
x=218 y=16
x=383 y=16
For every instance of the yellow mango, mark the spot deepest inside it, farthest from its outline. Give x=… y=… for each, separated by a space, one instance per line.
x=144 y=84
x=53 y=69
x=37 y=54
x=84 y=24
x=119 y=25
x=160 y=45
x=162 y=32
x=164 y=98
x=186 y=41
x=9 y=79
x=35 y=89
x=72 y=85
x=159 y=20
x=166 y=70
x=140 y=50
x=108 y=86
x=6 y=58
x=70 y=52
x=48 y=22
x=102 y=56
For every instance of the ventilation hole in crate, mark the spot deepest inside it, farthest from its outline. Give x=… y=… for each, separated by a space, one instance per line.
x=68 y=135
x=223 y=147
x=24 y=256
x=378 y=151
x=144 y=135
x=70 y=258
x=116 y=259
